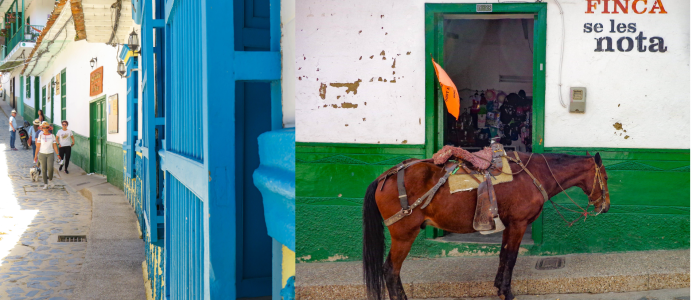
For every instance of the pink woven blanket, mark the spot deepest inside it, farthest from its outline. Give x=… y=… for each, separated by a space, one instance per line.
x=481 y=160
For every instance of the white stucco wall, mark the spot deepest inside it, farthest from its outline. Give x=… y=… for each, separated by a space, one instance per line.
x=287 y=18
x=39 y=10
x=648 y=93
x=75 y=58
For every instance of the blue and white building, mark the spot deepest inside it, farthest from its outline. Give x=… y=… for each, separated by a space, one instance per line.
x=209 y=150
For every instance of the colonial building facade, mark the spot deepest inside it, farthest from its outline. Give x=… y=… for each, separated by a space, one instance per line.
x=368 y=98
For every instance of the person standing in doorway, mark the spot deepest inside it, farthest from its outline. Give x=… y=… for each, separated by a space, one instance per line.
x=13 y=130
x=65 y=142
x=42 y=118
x=45 y=149
x=33 y=132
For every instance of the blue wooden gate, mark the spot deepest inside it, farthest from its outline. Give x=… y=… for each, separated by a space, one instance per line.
x=204 y=63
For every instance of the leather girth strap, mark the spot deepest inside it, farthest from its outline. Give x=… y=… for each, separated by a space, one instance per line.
x=534 y=180
x=424 y=200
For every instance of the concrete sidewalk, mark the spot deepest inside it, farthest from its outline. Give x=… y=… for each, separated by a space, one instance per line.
x=470 y=277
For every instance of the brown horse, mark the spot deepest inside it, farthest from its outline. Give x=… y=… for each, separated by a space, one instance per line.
x=519 y=204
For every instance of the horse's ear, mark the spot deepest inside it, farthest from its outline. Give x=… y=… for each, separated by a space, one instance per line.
x=587 y=154
x=598 y=160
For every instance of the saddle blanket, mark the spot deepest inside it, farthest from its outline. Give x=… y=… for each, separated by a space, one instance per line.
x=465 y=182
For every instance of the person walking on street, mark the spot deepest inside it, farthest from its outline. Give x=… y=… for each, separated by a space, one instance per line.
x=45 y=149
x=13 y=130
x=33 y=132
x=64 y=144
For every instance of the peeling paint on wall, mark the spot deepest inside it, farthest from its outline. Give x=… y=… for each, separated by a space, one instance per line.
x=351 y=87
x=322 y=91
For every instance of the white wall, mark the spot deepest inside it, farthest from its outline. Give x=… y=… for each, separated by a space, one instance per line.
x=287 y=18
x=75 y=58
x=39 y=10
x=648 y=93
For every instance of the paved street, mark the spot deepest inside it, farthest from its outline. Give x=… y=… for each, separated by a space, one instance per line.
x=33 y=264
x=665 y=294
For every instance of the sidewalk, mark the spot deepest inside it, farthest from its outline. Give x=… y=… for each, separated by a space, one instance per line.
x=33 y=264
x=464 y=277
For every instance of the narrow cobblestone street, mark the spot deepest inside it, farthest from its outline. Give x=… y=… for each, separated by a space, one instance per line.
x=34 y=265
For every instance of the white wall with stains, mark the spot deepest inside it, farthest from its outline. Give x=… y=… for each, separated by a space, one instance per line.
x=345 y=43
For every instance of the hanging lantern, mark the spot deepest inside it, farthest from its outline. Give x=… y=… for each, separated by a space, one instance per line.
x=133 y=42
x=93 y=61
x=121 y=69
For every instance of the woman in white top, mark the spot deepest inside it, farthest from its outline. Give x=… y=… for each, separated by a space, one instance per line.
x=45 y=149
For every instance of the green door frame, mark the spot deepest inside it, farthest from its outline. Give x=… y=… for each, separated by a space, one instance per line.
x=434 y=107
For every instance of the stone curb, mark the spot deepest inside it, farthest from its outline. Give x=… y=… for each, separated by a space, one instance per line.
x=541 y=286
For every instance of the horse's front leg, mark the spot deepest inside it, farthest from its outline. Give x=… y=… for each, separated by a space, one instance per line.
x=512 y=237
x=400 y=246
x=501 y=266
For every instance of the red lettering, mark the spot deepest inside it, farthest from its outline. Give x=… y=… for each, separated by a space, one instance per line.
x=634 y=6
x=657 y=5
x=624 y=9
x=592 y=6
x=605 y=7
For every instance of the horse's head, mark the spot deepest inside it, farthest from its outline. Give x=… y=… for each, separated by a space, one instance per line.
x=597 y=186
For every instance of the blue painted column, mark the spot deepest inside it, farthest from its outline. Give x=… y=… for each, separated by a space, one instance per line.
x=219 y=205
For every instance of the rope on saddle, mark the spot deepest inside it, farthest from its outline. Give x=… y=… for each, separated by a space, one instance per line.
x=534 y=180
x=425 y=199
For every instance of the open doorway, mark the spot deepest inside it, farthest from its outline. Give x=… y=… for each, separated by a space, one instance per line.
x=490 y=59
x=254 y=255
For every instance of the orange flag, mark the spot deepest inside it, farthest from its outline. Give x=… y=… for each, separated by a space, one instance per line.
x=449 y=90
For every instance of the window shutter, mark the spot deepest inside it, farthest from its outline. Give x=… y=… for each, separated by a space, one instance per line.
x=63 y=95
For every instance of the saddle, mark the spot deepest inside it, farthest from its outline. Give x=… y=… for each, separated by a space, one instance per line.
x=487 y=163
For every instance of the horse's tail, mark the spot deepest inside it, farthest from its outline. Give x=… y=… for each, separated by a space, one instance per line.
x=373 y=248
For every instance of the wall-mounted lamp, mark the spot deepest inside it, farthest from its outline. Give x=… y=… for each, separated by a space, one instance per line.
x=121 y=70
x=93 y=62
x=133 y=42
x=53 y=84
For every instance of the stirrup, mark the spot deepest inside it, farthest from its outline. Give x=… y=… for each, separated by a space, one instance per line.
x=499 y=226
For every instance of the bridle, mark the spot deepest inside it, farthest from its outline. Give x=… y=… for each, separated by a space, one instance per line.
x=584 y=213
x=598 y=178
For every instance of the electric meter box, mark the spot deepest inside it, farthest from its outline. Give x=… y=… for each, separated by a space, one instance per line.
x=577 y=103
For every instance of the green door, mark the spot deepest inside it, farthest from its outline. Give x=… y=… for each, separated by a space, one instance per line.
x=38 y=100
x=43 y=104
x=63 y=95
x=36 y=97
x=53 y=107
x=98 y=136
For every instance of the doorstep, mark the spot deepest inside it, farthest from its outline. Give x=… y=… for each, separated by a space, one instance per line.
x=459 y=277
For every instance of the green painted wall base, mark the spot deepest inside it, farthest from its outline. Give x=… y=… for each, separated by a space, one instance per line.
x=649 y=190
x=115 y=165
x=28 y=113
x=80 y=153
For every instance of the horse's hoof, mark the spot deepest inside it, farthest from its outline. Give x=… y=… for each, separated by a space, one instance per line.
x=503 y=297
